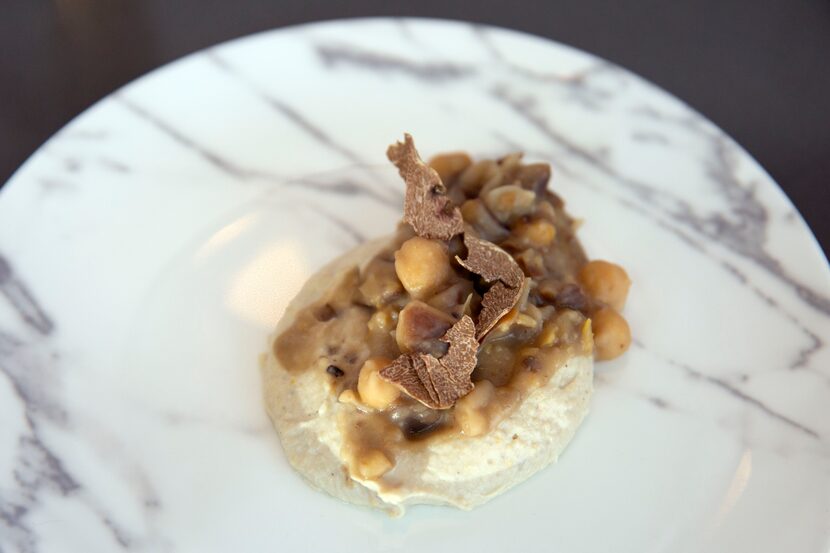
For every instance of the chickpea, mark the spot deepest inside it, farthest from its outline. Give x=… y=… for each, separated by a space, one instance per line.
x=611 y=334
x=375 y=391
x=606 y=282
x=348 y=396
x=537 y=234
x=450 y=164
x=470 y=409
x=372 y=464
x=422 y=266
x=470 y=210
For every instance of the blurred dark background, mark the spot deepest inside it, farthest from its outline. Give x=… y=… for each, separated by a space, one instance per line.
x=760 y=69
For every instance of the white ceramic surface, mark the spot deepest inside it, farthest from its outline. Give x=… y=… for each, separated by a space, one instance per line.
x=147 y=249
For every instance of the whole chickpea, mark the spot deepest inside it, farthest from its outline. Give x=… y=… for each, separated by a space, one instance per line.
x=537 y=234
x=450 y=164
x=611 y=334
x=422 y=266
x=606 y=282
x=373 y=390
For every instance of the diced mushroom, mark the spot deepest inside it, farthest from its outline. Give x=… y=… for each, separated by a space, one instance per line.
x=571 y=296
x=508 y=203
x=475 y=213
x=476 y=175
x=420 y=327
x=534 y=177
x=510 y=164
x=532 y=263
x=453 y=298
x=418 y=421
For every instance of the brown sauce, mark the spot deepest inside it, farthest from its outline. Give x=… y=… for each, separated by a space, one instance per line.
x=356 y=319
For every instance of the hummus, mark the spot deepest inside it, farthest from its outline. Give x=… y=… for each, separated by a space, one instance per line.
x=453 y=359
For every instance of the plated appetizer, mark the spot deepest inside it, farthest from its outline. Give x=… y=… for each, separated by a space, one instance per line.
x=453 y=359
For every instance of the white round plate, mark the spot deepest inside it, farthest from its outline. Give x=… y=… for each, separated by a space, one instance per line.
x=148 y=248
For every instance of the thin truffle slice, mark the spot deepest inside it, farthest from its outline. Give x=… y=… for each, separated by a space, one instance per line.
x=463 y=346
x=490 y=262
x=495 y=304
x=454 y=382
x=426 y=206
x=493 y=264
x=438 y=383
x=410 y=373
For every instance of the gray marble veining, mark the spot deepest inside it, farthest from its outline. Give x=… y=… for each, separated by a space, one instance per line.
x=147 y=250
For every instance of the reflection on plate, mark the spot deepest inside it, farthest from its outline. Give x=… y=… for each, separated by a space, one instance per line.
x=148 y=248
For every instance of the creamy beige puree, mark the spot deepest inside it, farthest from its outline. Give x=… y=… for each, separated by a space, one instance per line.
x=473 y=326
